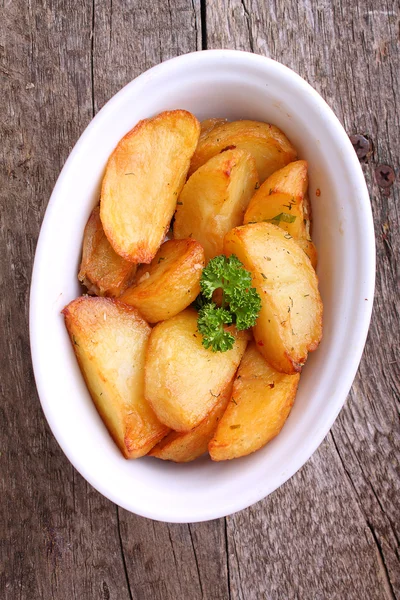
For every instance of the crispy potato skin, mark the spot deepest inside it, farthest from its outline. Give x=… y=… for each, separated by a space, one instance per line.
x=185 y=447
x=260 y=404
x=183 y=380
x=110 y=341
x=214 y=199
x=143 y=179
x=285 y=191
x=266 y=143
x=170 y=283
x=102 y=271
x=290 y=321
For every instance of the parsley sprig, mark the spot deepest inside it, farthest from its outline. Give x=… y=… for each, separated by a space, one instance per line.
x=240 y=302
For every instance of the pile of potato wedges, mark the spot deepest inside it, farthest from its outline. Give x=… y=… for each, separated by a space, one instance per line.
x=175 y=194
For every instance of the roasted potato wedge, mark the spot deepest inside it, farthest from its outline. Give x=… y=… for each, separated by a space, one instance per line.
x=208 y=124
x=183 y=379
x=282 y=200
x=103 y=272
x=290 y=321
x=110 y=341
x=142 y=182
x=214 y=199
x=260 y=404
x=185 y=447
x=266 y=143
x=291 y=179
x=170 y=283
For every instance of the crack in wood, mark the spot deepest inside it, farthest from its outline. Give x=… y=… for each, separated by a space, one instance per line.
x=92 y=55
x=172 y=546
x=196 y=30
x=249 y=28
x=203 y=16
x=228 y=572
x=123 y=554
x=111 y=22
x=196 y=560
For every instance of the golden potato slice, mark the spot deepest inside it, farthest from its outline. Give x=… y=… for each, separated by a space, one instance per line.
x=214 y=199
x=266 y=143
x=102 y=271
x=170 y=283
x=183 y=379
x=290 y=321
x=282 y=200
x=260 y=404
x=185 y=447
x=142 y=182
x=110 y=341
x=208 y=124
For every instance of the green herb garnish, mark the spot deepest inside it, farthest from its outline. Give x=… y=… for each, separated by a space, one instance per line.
x=240 y=302
x=211 y=323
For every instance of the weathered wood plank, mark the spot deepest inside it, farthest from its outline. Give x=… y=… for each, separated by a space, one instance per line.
x=349 y=52
x=53 y=525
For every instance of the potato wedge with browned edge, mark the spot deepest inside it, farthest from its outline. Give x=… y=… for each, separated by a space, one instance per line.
x=266 y=143
x=110 y=341
x=282 y=200
x=185 y=447
x=290 y=321
x=103 y=272
x=215 y=198
x=184 y=379
x=143 y=179
x=170 y=283
x=260 y=404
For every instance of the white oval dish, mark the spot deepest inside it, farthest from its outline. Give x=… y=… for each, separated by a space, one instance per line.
x=236 y=85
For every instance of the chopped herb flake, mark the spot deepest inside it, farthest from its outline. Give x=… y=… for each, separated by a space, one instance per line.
x=284 y=217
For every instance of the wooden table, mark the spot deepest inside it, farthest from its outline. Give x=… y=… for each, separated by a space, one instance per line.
x=333 y=530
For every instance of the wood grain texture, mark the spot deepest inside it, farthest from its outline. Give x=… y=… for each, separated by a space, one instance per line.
x=332 y=531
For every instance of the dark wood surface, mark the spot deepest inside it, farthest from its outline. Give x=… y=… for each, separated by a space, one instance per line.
x=333 y=530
